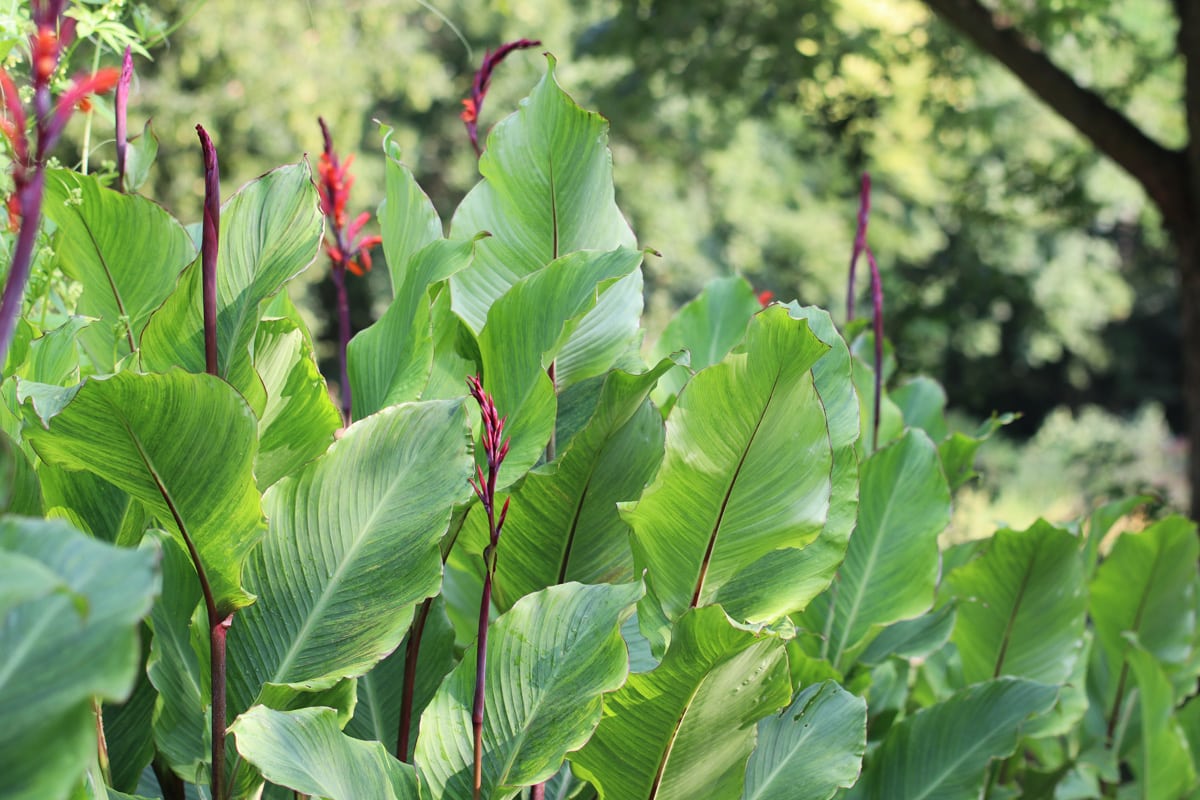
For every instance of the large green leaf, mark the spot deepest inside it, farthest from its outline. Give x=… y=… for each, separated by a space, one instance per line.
x=92 y=505
x=67 y=635
x=305 y=750
x=352 y=545
x=407 y=218
x=685 y=729
x=549 y=661
x=746 y=474
x=942 y=752
x=562 y=523
x=1165 y=769
x=1147 y=587
x=708 y=327
x=1022 y=606
x=125 y=252
x=390 y=361
x=299 y=419
x=270 y=231
x=152 y=436
x=546 y=191
x=810 y=748
x=525 y=330
x=891 y=563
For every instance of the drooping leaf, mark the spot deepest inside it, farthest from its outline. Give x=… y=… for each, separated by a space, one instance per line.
x=892 y=562
x=958 y=449
x=546 y=191
x=912 y=638
x=54 y=356
x=124 y=250
x=746 y=474
x=270 y=232
x=686 y=729
x=549 y=661
x=305 y=750
x=352 y=545
x=299 y=419
x=811 y=748
x=62 y=647
x=1022 y=606
x=525 y=330
x=1147 y=586
x=942 y=752
x=562 y=523
x=152 y=436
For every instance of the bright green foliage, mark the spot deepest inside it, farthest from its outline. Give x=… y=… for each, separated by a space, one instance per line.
x=362 y=525
x=941 y=753
x=152 y=436
x=69 y=612
x=1021 y=606
x=761 y=486
x=270 y=231
x=686 y=729
x=549 y=661
x=811 y=748
x=892 y=561
x=306 y=751
x=124 y=278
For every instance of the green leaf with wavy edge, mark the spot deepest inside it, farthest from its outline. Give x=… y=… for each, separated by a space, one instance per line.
x=547 y=191
x=708 y=327
x=61 y=648
x=1147 y=586
x=270 y=232
x=124 y=250
x=525 y=330
x=54 y=356
x=1022 y=606
x=152 y=436
x=891 y=563
x=305 y=750
x=942 y=752
x=390 y=361
x=562 y=523
x=353 y=544
x=299 y=419
x=746 y=474
x=549 y=661
x=686 y=729
x=811 y=748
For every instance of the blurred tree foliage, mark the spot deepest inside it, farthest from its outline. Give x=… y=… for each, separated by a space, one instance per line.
x=1021 y=267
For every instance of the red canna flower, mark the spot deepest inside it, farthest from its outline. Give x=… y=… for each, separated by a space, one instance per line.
x=483 y=78
x=765 y=298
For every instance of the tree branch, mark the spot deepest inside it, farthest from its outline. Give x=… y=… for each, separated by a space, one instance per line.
x=1162 y=172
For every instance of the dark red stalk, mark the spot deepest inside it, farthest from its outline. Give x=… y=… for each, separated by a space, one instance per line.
x=495 y=448
x=347 y=251
x=217 y=633
x=120 y=105
x=210 y=228
x=51 y=33
x=538 y=792
x=860 y=239
x=473 y=105
x=877 y=302
x=411 y=653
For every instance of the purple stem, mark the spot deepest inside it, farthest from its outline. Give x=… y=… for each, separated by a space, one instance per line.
x=877 y=301
x=208 y=248
x=860 y=239
x=483 y=79
x=217 y=633
x=119 y=106
x=538 y=792
x=343 y=312
x=29 y=197
x=411 y=653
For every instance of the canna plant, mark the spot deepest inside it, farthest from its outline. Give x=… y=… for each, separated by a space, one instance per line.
x=724 y=579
